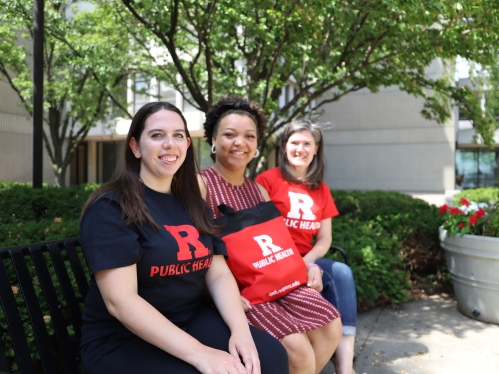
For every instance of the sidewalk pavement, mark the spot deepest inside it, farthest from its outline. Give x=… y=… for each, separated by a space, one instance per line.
x=428 y=336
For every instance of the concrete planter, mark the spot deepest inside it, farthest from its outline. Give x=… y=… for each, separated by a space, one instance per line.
x=473 y=263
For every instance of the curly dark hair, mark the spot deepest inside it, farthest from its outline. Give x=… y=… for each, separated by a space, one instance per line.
x=233 y=105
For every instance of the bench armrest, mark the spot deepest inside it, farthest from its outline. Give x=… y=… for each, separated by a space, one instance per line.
x=343 y=253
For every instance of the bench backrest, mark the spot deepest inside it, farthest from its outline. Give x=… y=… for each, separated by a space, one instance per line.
x=42 y=290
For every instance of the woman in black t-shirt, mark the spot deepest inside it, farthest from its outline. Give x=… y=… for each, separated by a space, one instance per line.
x=148 y=242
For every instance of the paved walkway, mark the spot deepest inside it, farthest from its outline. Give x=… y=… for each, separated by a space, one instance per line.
x=427 y=336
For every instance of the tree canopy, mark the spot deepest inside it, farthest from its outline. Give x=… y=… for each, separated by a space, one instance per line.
x=86 y=61
x=481 y=105
x=292 y=57
x=323 y=49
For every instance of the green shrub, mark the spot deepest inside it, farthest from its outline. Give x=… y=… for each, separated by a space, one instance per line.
x=413 y=222
x=392 y=241
x=491 y=226
x=19 y=202
x=12 y=234
x=374 y=256
x=478 y=195
x=30 y=215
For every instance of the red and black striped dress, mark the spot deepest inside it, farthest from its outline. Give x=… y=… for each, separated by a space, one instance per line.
x=301 y=310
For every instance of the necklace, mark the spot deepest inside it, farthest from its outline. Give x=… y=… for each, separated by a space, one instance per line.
x=225 y=178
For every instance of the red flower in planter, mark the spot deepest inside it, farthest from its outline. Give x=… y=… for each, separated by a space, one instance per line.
x=480 y=213
x=443 y=209
x=469 y=218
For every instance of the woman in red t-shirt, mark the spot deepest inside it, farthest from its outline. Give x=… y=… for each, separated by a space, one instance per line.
x=297 y=188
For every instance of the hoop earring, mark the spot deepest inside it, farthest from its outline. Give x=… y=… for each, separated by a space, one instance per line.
x=213 y=150
x=257 y=153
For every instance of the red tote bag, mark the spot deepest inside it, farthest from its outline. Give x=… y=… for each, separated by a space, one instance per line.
x=262 y=254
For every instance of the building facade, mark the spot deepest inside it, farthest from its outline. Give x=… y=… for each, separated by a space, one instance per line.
x=380 y=141
x=16 y=141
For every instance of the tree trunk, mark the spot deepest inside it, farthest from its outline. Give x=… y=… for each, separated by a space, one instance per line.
x=60 y=175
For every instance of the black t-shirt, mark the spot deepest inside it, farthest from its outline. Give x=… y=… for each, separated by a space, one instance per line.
x=171 y=262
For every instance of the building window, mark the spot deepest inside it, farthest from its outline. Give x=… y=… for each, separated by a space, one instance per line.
x=141 y=94
x=147 y=90
x=477 y=168
x=78 y=165
x=107 y=160
x=167 y=93
x=188 y=107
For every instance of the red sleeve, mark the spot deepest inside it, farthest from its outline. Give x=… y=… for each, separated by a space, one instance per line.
x=264 y=179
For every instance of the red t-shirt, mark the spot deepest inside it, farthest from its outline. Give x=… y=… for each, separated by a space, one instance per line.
x=303 y=209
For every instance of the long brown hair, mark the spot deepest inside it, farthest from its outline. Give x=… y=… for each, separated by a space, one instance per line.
x=315 y=172
x=129 y=189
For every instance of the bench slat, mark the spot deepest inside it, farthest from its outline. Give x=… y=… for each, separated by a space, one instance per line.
x=54 y=305
x=67 y=289
x=15 y=325
x=35 y=315
x=58 y=264
x=79 y=274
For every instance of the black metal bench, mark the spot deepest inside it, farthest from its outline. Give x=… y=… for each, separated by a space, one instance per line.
x=45 y=307
x=42 y=290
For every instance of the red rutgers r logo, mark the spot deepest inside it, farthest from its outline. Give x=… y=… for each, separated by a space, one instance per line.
x=190 y=236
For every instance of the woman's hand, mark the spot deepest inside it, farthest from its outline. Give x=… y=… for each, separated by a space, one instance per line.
x=315 y=278
x=119 y=292
x=215 y=361
x=241 y=344
x=224 y=291
x=246 y=304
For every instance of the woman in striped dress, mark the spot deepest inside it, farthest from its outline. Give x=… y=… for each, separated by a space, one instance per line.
x=307 y=325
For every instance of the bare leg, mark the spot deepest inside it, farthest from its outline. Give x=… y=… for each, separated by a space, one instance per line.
x=344 y=355
x=300 y=353
x=324 y=341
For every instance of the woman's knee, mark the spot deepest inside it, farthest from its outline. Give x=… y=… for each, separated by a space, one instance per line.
x=299 y=348
x=335 y=329
x=327 y=336
x=342 y=271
